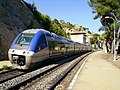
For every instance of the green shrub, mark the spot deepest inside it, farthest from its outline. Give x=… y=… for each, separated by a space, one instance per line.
x=5 y=67
x=95 y=46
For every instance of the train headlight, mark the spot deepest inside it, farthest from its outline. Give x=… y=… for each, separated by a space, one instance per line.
x=15 y=57
x=25 y=52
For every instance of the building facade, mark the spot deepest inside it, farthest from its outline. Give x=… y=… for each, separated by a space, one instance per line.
x=78 y=37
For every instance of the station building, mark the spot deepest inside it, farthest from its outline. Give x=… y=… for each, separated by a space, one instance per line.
x=78 y=37
x=79 y=34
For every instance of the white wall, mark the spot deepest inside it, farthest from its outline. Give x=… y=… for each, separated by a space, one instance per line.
x=81 y=38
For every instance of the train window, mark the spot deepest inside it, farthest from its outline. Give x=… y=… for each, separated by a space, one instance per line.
x=50 y=45
x=43 y=44
x=24 y=39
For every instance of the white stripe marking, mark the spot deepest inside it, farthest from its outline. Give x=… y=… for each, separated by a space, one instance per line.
x=76 y=75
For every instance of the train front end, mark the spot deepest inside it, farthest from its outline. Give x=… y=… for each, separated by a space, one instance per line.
x=19 y=54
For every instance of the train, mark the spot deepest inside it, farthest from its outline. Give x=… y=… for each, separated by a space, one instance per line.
x=36 y=45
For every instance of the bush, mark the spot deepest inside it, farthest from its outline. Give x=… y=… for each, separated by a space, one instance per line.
x=5 y=67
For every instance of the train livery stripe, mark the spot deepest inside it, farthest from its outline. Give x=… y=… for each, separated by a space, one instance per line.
x=12 y=45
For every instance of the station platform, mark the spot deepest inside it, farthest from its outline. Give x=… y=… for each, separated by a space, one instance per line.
x=98 y=73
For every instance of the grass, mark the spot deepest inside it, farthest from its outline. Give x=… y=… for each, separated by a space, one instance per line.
x=5 y=68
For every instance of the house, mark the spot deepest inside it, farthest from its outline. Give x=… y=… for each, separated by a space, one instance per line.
x=78 y=37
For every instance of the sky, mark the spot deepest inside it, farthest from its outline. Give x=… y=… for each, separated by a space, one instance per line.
x=73 y=11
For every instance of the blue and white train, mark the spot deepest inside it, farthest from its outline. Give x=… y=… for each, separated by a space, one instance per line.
x=35 y=45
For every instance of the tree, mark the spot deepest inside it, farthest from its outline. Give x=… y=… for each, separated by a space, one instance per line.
x=96 y=37
x=46 y=22
x=92 y=40
x=108 y=37
x=103 y=8
x=95 y=40
x=58 y=29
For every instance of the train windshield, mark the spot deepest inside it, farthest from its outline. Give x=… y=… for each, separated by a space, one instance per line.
x=24 y=39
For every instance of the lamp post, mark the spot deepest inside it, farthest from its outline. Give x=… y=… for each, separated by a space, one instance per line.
x=107 y=17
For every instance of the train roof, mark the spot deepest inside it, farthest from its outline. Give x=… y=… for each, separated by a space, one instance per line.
x=32 y=31
x=50 y=34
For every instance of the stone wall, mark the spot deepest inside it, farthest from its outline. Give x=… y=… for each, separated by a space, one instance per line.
x=15 y=17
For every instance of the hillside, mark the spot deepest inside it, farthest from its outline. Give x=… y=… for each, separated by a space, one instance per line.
x=15 y=17
x=69 y=28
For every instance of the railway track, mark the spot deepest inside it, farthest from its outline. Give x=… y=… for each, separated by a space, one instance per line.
x=4 y=76
x=44 y=78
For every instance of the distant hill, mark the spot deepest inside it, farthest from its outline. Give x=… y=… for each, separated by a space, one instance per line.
x=69 y=28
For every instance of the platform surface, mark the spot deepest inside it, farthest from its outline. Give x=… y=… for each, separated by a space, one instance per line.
x=98 y=74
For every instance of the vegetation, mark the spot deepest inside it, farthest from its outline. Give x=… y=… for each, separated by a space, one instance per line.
x=55 y=26
x=46 y=22
x=95 y=40
x=5 y=67
x=103 y=8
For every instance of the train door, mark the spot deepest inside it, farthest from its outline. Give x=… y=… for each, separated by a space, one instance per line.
x=42 y=49
x=41 y=52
